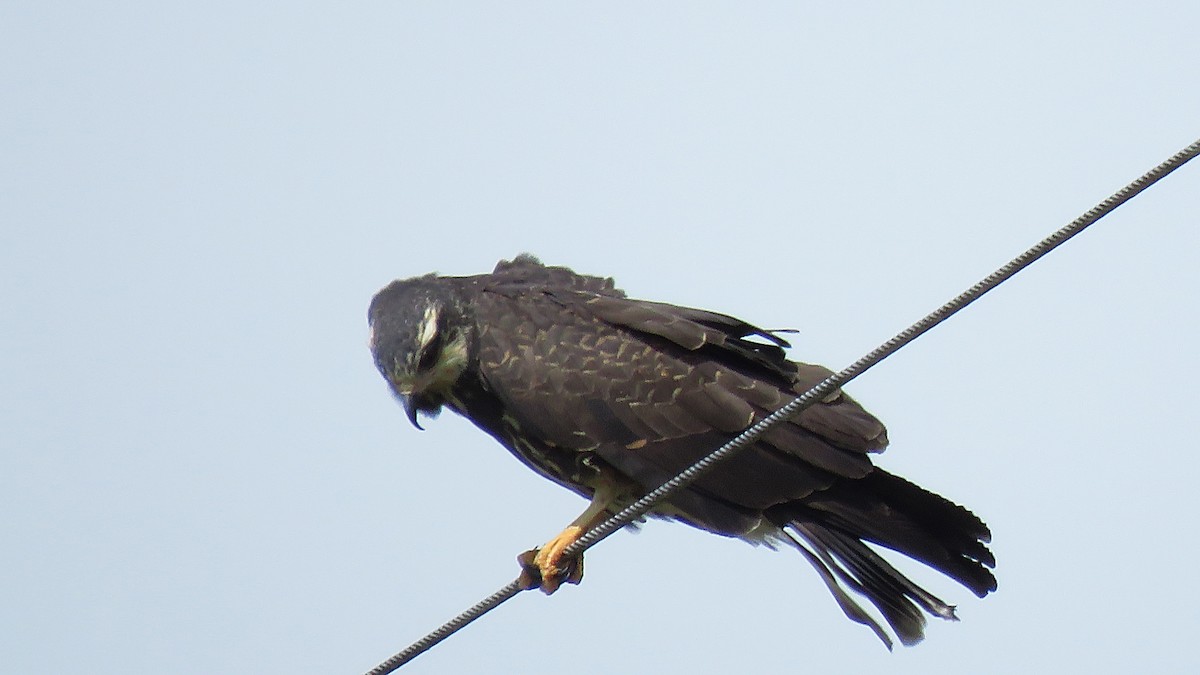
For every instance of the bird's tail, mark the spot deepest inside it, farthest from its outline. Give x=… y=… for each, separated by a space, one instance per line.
x=831 y=527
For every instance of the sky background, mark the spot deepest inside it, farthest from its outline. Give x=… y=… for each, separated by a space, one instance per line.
x=201 y=471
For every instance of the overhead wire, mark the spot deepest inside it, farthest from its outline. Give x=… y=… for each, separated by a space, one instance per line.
x=643 y=505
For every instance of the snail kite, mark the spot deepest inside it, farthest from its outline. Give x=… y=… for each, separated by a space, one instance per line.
x=610 y=397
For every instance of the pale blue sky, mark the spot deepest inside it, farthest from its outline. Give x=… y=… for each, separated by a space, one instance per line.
x=201 y=472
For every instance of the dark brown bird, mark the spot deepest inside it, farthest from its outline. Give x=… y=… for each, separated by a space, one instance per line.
x=610 y=397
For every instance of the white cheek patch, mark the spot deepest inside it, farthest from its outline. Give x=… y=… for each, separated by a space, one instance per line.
x=428 y=326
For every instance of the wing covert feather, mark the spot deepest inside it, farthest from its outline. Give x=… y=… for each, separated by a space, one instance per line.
x=651 y=393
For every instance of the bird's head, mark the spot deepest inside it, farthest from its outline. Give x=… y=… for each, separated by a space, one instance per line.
x=420 y=338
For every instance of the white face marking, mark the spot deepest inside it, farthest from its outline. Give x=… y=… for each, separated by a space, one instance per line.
x=428 y=327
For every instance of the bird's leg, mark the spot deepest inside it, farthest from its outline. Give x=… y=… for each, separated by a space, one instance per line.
x=545 y=567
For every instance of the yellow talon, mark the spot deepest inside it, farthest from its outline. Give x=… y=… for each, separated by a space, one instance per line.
x=544 y=567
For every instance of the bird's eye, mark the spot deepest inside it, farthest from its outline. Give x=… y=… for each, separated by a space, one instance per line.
x=430 y=353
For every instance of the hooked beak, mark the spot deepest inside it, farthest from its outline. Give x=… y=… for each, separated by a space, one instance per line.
x=410 y=408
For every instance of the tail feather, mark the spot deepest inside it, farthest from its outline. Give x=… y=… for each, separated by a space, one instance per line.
x=853 y=611
x=830 y=529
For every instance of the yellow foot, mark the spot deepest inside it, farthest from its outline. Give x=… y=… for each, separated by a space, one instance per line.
x=546 y=568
